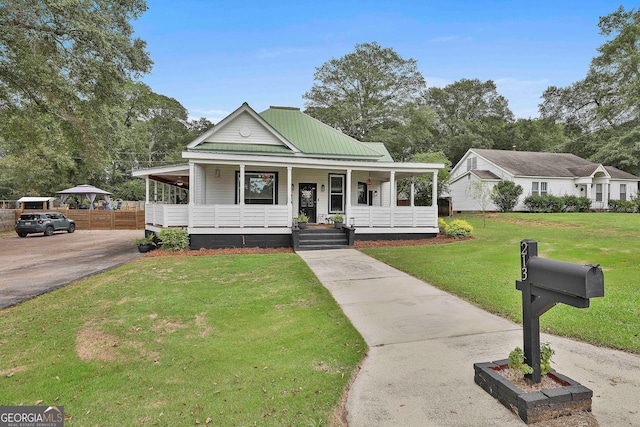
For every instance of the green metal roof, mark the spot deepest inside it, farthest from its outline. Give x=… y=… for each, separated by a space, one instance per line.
x=314 y=138
x=245 y=148
x=382 y=149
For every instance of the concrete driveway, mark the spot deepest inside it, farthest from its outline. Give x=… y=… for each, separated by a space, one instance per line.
x=423 y=343
x=37 y=264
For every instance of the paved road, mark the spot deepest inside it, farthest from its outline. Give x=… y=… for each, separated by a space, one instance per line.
x=37 y=264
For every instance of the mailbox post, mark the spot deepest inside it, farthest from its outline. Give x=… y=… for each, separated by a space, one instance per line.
x=545 y=283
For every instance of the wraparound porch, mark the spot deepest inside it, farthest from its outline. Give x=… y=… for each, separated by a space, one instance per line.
x=222 y=218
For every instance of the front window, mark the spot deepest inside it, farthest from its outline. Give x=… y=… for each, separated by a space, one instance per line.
x=539 y=188
x=472 y=163
x=260 y=188
x=623 y=191
x=362 y=193
x=336 y=193
x=598 y=192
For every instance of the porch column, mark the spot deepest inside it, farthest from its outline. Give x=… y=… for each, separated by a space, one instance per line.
x=147 y=189
x=347 y=204
x=413 y=191
x=393 y=199
x=434 y=196
x=392 y=183
x=241 y=195
x=192 y=183
x=241 y=201
x=192 y=199
x=155 y=191
x=289 y=197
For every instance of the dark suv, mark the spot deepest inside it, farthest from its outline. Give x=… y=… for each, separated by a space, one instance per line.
x=45 y=222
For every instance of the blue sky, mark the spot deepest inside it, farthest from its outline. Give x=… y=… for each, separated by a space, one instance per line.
x=214 y=55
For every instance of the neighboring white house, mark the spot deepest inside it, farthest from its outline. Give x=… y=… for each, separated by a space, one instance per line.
x=249 y=177
x=539 y=173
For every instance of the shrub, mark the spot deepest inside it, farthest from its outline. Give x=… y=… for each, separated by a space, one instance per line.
x=547 y=203
x=534 y=203
x=337 y=217
x=624 y=206
x=174 y=239
x=546 y=352
x=149 y=239
x=575 y=204
x=505 y=195
x=458 y=228
x=442 y=225
x=517 y=360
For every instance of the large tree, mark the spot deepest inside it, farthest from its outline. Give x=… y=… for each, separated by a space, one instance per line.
x=410 y=136
x=364 y=90
x=470 y=113
x=63 y=69
x=600 y=112
x=58 y=54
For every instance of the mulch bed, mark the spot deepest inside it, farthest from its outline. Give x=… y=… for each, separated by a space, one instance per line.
x=438 y=240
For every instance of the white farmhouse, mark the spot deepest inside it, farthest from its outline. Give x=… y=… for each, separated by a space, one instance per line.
x=539 y=173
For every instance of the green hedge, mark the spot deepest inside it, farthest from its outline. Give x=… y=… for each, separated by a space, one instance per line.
x=624 y=206
x=554 y=204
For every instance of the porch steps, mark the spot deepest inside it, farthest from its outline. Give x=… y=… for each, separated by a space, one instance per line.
x=313 y=239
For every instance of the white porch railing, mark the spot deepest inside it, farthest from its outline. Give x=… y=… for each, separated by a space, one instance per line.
x=393 y=216
x=214 y=216
x=252 y=216
x=166 y=215
x=239 y=216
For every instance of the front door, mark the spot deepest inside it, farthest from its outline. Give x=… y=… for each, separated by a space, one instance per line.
x=307 y=200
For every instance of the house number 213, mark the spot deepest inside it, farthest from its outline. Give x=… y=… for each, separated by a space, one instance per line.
x=524 y=253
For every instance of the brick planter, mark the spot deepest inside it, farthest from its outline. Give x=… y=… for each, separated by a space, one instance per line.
x=536 y=406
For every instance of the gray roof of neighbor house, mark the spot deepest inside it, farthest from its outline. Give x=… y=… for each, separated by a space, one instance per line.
x=482 y=174
x=527 y=163
x=618 y=174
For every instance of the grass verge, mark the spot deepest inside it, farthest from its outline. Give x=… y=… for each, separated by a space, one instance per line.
x=484 y=270
x=217 y=340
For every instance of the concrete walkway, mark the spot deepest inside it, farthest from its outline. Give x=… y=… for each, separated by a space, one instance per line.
x=423 y=344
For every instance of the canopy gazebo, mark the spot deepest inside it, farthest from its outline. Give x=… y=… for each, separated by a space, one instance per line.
x=84 y=191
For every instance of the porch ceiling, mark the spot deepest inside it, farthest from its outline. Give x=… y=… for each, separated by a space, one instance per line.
x=180 y=180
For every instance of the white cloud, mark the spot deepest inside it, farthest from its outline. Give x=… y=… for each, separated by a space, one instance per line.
x=523 y=95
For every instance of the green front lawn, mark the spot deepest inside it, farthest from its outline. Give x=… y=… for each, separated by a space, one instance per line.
x=218 y=340
x=484 y=270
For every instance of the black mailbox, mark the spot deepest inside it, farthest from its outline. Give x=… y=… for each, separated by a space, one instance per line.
x=545 y=283
x=584 y=281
